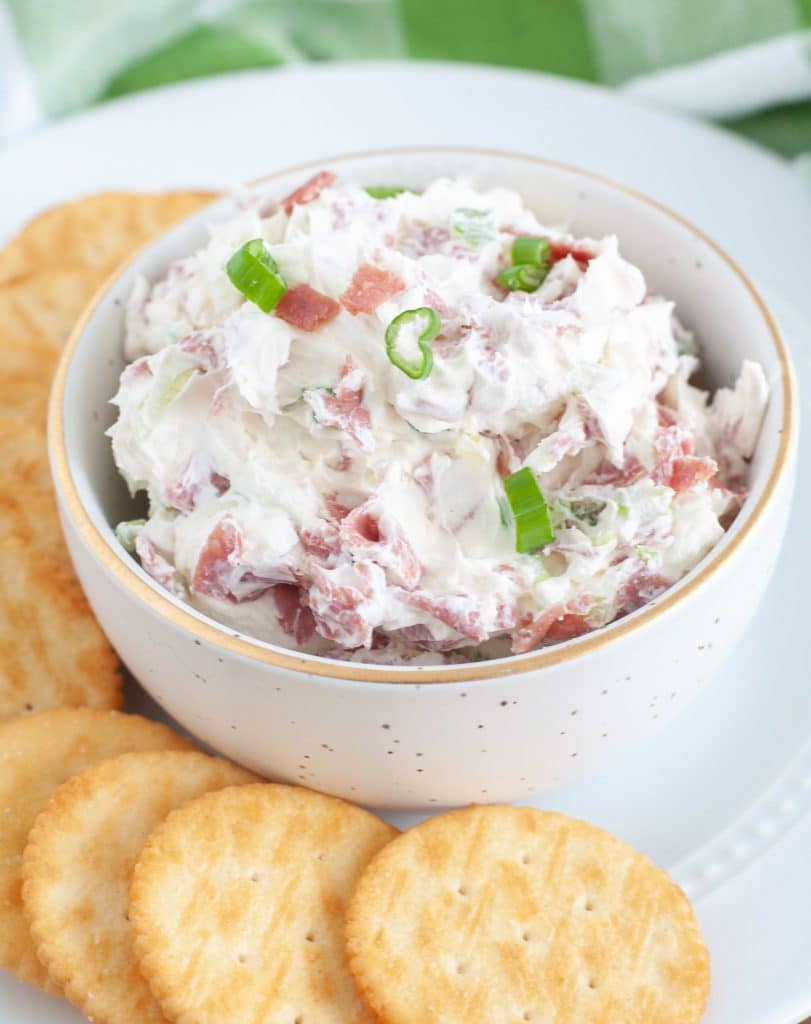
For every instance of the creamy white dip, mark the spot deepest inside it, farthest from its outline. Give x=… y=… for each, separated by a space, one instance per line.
x=303 y=489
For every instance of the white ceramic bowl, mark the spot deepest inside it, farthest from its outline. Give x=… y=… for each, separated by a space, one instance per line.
x=420 y=737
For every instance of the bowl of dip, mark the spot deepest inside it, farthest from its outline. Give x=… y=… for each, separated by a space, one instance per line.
x=426 y=476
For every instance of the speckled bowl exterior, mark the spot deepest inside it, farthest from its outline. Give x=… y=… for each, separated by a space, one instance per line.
x=427 y=737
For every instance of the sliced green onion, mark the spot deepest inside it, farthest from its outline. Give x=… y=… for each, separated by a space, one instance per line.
x=165 y=395
x=588 y=510
x=420 y=368
x=531 y=259
x=525 y=278
x=387 y=191
x=533 y=526
x=474 y=227
x=534 y=251
x=253 y=271
x=125 y=533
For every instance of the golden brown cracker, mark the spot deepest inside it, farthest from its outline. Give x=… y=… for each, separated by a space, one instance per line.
x=77 y=868
x=237 y=904
x=96 y=232
x=43 y=306
x=500 y=915
x=37 y=754
x=52 y=651
x=26 y=371
x=24 y=451
x=28 y=511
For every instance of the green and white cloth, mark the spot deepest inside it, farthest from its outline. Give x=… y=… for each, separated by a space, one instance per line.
x=743 y=63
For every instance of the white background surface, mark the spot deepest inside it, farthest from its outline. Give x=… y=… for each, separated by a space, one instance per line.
x=723 y=798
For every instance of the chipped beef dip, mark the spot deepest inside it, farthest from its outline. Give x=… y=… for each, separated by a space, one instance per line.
x=518 y=462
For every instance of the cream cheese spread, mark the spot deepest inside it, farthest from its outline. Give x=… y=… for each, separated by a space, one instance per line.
x=304 y=489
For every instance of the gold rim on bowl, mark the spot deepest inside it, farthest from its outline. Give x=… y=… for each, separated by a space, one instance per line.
x=218 y=635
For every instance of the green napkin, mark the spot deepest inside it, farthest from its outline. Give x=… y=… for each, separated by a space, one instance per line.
x=744 y=63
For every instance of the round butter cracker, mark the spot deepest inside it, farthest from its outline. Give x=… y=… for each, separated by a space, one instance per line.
x=28 y=511
x=508 y=915
x=26 y=371
x=96 y=232
x=24 y=452
x=53 y=653
x=77 y=868
x=237 y=904
x=37 y=754
x=42 y=306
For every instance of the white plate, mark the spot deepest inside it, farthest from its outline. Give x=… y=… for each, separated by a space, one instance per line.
x=723 y=798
